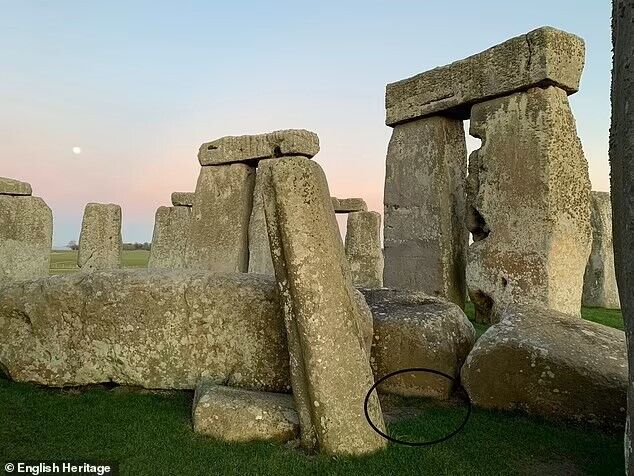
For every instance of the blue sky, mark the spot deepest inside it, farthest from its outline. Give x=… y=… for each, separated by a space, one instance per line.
x=140 y=85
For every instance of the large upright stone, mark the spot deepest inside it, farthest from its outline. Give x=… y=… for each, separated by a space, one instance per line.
x=542 y=57
x=10 y=186
x=260 y=260
x=599 y=281
x=26 y=234
x=528 y=197
x=218 y=236
x=100 y=241
x=363 y=249
x=424 y=234
x=330 y=369
x=169 y=241
x=622 y=185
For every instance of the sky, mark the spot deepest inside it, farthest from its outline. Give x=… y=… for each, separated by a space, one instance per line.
x=138 y=86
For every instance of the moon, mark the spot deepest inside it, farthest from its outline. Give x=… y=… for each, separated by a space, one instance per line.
x=76 y=150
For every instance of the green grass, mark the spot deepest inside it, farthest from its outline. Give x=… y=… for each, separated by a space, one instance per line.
x=66 y=261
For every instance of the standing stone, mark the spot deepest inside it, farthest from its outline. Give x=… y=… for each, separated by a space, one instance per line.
x=424 y=234
x=218 y=237
x=260 y=260
x=100 y=239
x=26 y=234
x=363 y=249
x=169 y=241
x=183 y=199
x=599 y=282
x=528 y=197
x=330 y=369
x=622 y=184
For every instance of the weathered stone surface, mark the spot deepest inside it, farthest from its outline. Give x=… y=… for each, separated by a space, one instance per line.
x=183 y=199
x=155 y=329
x=218 y=236
x=260 y=146
x=169 y=241
x=100 y=239
x=10 y=186
x=599 y=281
x=330 y=368
x=543 y=362
x=528 y=196
x=622 y=185
x=238 y=415
x=424 y=235
x=348 y=205
x=363 y=249
x=542 y=57
x=26 y=234
x=412 y=329
x=259 y=250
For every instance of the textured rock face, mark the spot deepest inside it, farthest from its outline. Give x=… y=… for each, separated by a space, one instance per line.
x=415 y=330
x=158 y=329
x=218 y=236
x=543 y=362
x=100 y=239
x=363 y=249
x=183 y=199
x=528 y=196
x=238 y=415
x=26 y=234
x=169 y=241
x=10 y=186
x=424 y=234
x=261 y=146
x=330 y=368
x=348 y=205
x=542 y=57
x=259 y=250
x=599 y=281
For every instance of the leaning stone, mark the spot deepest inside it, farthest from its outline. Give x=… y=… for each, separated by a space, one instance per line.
x=26 y=234
x=363 y=249
x=330 y=368
x=261 y=146
x=238 y=415
x=542 y=57
x=260 y=260
x=348 y=205
x=411 y=330
x=543 y=362
x=183 y=199
x=100 y=241
x=599 y=281
x=14 y=187
x=528 y=195
x=171 y=229
x=154 y=329
x=218 y=237
x=425 y=238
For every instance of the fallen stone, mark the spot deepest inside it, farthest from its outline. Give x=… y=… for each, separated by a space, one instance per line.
x=363 y=249
x=155 y=329
x=260 y=260
x=543 y=57
x=238 y=415
x=330 y=368
x=250 y=148
x=599 y=281
x=546 y=363
x=425 y=239
x=348 y=205
x=183 y=199
x=169 y=241
x=528 y=204
x=218 y=237
x=26 y=234
x=411 y=330
x=100 y=242
x=10 y=186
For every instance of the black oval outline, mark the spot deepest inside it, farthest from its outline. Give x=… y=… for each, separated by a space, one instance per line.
x=414 y=443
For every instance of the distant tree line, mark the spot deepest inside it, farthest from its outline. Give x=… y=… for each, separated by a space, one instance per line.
x=126 y=246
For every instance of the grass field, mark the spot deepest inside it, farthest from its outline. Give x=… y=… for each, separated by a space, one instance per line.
x=66 y=261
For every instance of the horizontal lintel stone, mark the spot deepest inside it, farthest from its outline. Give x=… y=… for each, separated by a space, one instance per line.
x=348 y=205
x=10 y=186
x=183 y=199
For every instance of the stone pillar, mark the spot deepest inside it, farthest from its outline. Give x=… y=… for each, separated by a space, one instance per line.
x=100 y=239
x=363 y=249
x=259 y=250
x=26 y=233
x=528 y=195
x=622 y=185
x=599 y=281
x=330 y=368
x=169 y=241
x=424 y=234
